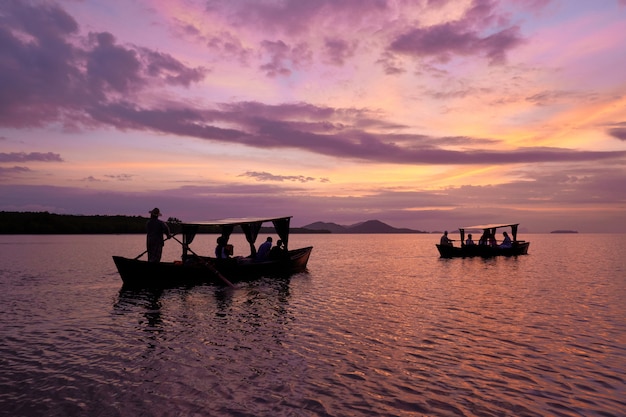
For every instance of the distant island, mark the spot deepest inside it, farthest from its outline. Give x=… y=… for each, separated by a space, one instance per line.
x=15 y=223
x=564 y=231
x=370 y=227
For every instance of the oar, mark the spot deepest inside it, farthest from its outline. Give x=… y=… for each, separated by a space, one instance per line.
x=208 y=265
x=144 y=252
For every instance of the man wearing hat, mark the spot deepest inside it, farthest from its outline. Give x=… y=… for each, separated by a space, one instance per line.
x=154 y=238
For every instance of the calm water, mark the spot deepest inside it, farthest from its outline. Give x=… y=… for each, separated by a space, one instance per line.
x=379 y=326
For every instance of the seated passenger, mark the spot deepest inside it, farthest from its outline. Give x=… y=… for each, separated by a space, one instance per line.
x=264 y=249
x=445 y=241
x=469 y=240
x=278 y=251
x=506 y=242
x=484 y=238
x=222 y=250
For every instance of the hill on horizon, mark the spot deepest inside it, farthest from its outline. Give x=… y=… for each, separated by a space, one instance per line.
x=369 y=226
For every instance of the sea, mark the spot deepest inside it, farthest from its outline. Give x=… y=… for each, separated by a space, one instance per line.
x=379 y=325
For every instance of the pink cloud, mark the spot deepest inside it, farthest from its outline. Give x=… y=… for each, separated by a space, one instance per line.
x=266 y=176
x=338 y=50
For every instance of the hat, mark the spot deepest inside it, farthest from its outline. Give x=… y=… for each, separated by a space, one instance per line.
x=155 y=212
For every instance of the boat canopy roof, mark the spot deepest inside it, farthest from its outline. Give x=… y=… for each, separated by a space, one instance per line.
x=235 y=221
x=251 y=227
x=489 y=226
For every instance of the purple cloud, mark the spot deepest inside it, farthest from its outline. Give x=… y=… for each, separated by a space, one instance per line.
x=618 y=133
x=50 y=79
x=324 y=131
x=338 y=50
x=112 y=66
x=282 y=58
x=13 y=170
x=288 y=16
x=462 y=37
x=46 y=76
x=449 y=39
x=30 y=157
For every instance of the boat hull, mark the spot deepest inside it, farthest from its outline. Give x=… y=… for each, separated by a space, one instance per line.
x=139 y=273
x=484 y=251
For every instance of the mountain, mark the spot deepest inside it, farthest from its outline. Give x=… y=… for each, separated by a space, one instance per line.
x=370 y=226
x=331 y=227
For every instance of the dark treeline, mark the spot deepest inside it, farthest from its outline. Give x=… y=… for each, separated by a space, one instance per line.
x=42 y=223
x=50 y=223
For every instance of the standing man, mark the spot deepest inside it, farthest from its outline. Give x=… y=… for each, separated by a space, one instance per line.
x=154 y=238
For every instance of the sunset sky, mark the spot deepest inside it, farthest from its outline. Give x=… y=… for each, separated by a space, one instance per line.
x=428 y=114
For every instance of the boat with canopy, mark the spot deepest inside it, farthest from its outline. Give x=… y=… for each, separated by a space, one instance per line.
x=486 y=246
x=195 y=269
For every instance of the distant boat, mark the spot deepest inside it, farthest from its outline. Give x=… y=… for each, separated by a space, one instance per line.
x=195 y=269
x=484 y=248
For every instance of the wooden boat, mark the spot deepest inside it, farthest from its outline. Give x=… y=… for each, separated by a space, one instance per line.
x=482 y=247
x=195 y=269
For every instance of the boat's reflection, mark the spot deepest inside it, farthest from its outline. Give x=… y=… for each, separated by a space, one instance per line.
x=196 y=301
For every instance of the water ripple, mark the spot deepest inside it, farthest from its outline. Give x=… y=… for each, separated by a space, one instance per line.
x=528 y=336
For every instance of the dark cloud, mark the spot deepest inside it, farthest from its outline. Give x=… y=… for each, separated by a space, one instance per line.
x=169 y=69
x=481 y=31
x=324 y=131
x=38 y=71
x=447 y=40
x=30 y=157
x=49 y=73
x=112 y=66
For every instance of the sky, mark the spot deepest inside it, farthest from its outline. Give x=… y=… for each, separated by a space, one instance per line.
x=426 y=114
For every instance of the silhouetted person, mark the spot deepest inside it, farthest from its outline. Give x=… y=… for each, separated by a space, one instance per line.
x=154 y=237
x=492 y=240
x=264 y=249
x=222 y=250
x=506 y=242
x=278 y=251
x=469 y=240
x=445 y=241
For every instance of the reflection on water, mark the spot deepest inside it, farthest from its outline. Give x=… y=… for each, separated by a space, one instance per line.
x=379 y=325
